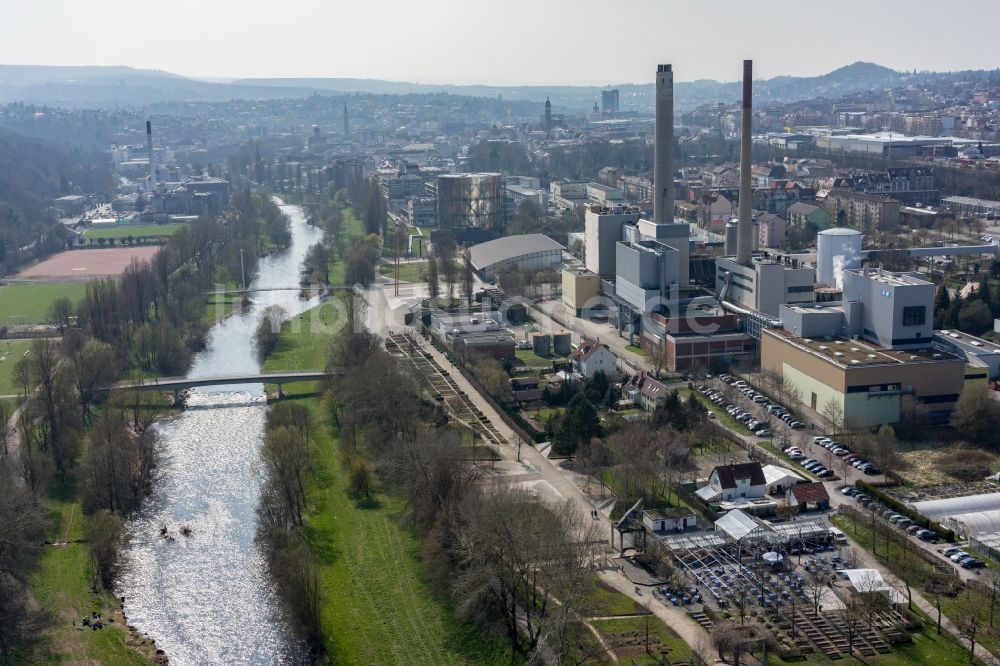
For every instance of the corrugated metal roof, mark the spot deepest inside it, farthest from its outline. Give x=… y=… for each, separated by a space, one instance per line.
x=510 y=247
x=952 y=506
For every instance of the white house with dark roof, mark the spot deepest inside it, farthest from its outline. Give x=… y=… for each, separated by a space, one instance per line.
x=593 y=356
x=734 y=482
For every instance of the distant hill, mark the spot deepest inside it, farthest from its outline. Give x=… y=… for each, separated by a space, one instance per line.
x=126 y=86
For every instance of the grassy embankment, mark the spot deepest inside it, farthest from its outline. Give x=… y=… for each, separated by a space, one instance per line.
x=10 y=352
x=30 y=303
x=134 y=230
x=376 y=607
x=350 y=229
x=61 y=587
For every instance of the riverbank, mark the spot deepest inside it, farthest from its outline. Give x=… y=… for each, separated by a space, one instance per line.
x=376 y=607
x=61 y=587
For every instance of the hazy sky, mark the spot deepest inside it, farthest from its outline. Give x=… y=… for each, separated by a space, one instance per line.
x=513 y=41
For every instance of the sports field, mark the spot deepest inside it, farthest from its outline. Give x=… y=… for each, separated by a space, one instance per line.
x=90 y=263
x=134 y=230
x=22 y=304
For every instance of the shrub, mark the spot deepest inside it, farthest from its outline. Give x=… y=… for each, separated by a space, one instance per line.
x=966 y=464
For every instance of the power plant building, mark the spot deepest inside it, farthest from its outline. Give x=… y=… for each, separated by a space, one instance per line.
x=856 y=360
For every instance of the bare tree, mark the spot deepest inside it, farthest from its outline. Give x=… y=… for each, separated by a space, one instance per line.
x=834 y=413
x=991 y=585
x=969 y=628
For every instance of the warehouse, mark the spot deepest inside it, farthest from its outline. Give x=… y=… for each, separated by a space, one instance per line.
x=526 y=252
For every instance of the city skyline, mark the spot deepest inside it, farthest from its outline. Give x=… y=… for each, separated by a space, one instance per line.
x=526 y=43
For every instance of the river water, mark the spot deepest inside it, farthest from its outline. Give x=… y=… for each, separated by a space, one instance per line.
x=206 y=598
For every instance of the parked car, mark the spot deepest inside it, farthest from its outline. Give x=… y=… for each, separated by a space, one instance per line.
x=925 y=535
x=871 y=471
x=951 y=550
x=849 y=491
x=797 y=425
x=764 y=433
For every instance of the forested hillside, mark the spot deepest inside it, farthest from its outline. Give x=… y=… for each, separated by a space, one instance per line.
x=32 y=174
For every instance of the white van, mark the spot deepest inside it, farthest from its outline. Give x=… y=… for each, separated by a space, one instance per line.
x=837 y=535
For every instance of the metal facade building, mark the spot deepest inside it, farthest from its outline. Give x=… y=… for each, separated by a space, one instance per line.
x=524 y=252
x=470 y=200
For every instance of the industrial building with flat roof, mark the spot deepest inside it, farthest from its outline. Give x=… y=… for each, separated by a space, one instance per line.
x=523 y=252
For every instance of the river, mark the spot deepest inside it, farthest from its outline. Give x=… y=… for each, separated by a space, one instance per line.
x=206 y=598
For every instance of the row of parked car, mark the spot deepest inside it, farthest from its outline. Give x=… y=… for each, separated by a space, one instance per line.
x=853 y=459
x=897 y=519
x=962 y=558
x=759 y=428
x=780 y=411
x=814 y=466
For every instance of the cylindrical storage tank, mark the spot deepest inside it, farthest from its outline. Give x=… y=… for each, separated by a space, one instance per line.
x=837 y=250
x=541 y=344
x=561 y=343
x=732 y=237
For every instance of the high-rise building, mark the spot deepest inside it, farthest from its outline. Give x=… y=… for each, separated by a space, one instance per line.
x=609 y=101
x=470 y=200
x=347 y=121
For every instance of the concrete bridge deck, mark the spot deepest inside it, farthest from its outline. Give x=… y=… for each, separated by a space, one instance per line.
x=177 y=384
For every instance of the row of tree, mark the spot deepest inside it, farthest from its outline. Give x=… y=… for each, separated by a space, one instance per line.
x=509 y=563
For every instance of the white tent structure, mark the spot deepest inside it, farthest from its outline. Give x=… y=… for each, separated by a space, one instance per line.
x=867 y=581
x=777 y=478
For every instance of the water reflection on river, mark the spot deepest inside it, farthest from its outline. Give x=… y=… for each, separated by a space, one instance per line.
x=205 y=598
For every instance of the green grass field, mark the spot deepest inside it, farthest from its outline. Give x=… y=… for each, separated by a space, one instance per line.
x=30 y=303
x=352 y=228
x=10 y=352
x=533 y=360
x=61 y=586
x=376 y=607
x=627 y=637
x=133 y=230
x=415 y=271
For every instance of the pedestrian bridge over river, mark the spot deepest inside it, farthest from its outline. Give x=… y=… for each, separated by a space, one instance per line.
x=178 y=384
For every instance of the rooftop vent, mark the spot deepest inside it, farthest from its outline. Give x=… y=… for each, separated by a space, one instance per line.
x=855 y=361
x=823 y=347
x=937 y=356
x=977 y=343
x=838 y=354
x=872 y=356
x=913 y=357
x=855 y=349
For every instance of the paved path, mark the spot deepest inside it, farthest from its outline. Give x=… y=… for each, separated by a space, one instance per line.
x=564 y=483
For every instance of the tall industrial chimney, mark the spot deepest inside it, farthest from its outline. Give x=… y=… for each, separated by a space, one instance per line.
x=152 y=162
x=663 y=151
x=744 y=244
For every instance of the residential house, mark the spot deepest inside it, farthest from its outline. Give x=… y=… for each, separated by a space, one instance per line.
x=593 y=356
x=801 y=213
x=646 y=391
x=771 y=229
x=734 y=482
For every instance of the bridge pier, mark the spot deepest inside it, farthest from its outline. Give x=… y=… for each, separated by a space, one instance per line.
x=177 y=397
x=281 y=392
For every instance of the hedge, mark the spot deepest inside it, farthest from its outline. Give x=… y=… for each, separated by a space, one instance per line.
x=899 y=507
